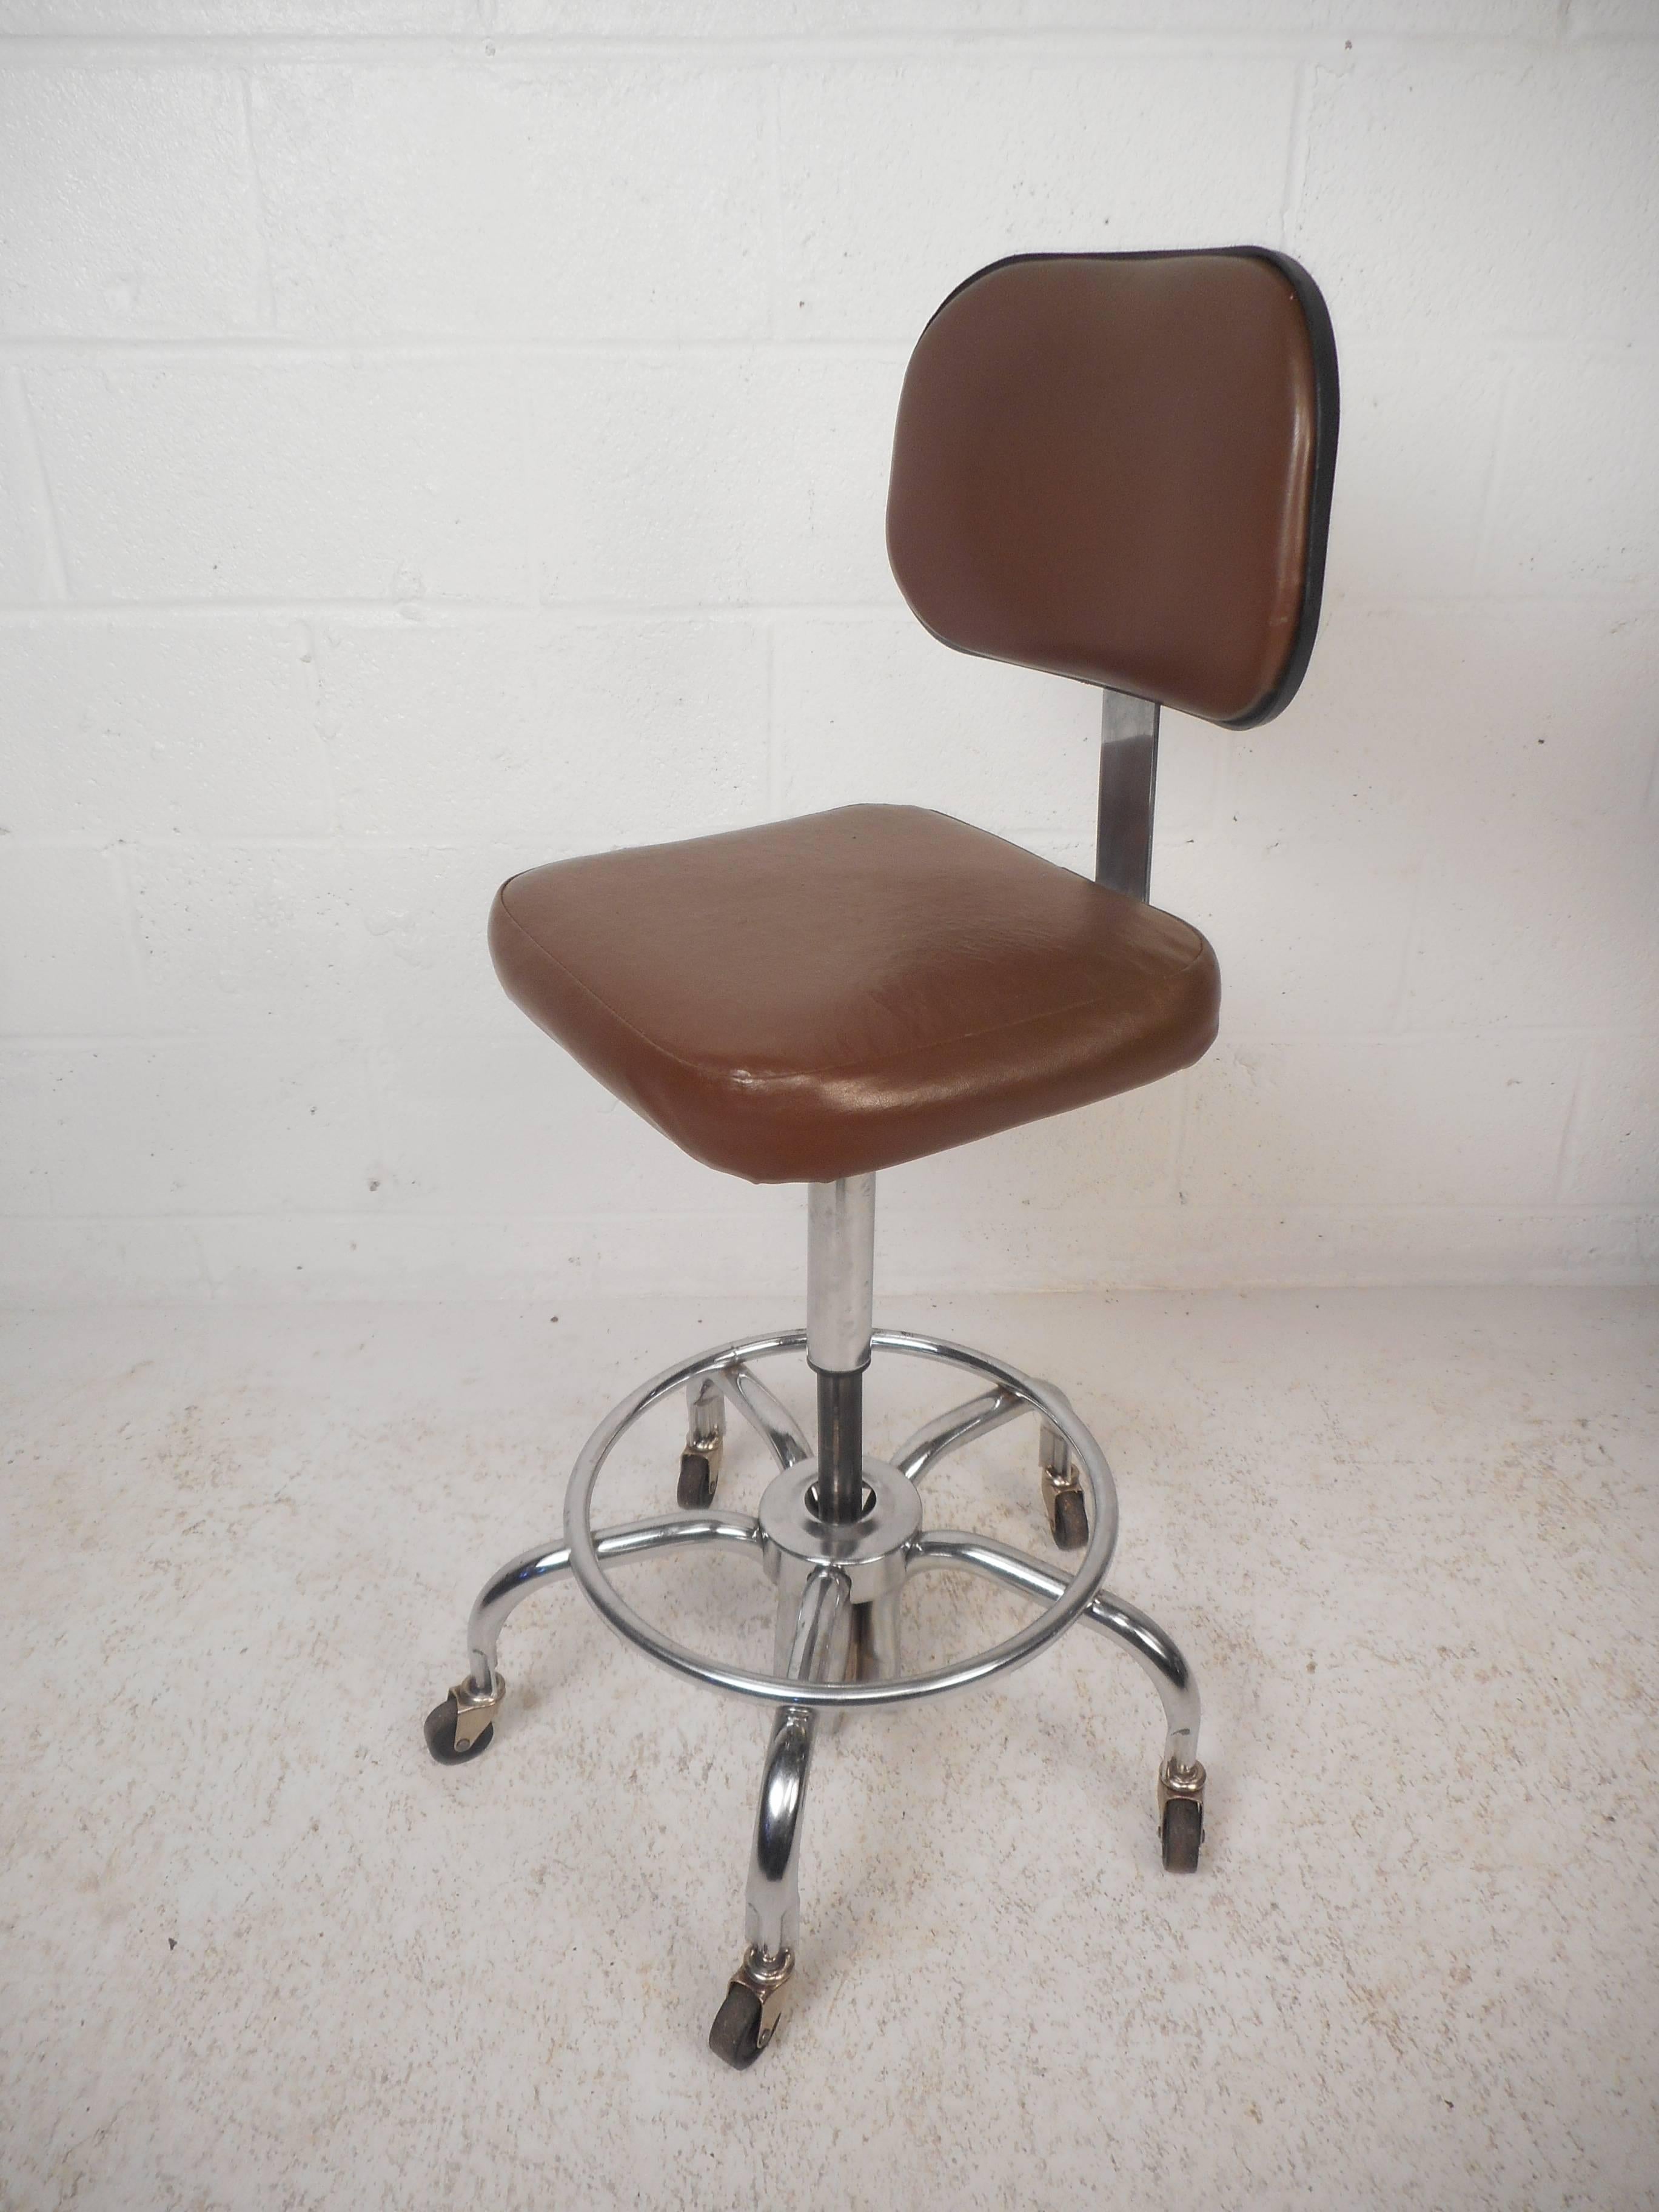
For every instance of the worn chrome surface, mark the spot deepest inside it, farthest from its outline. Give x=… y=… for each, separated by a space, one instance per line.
x=870 y=1551
x=1129 y=791
x=1158 y=1655
x=1074 y=1595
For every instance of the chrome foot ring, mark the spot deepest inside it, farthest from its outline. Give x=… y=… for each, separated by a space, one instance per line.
x=1052 y=1408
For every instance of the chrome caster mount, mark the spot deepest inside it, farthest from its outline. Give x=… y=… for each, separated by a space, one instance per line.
x=839 y=1585
x=464 y=1724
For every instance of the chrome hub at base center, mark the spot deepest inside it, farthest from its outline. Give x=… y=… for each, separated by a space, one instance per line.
x=871 y=1552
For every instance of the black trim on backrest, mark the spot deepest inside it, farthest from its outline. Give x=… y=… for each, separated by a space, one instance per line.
x=1322 y=343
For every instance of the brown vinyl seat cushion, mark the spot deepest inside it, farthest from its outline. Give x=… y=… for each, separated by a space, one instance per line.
x=831 y=995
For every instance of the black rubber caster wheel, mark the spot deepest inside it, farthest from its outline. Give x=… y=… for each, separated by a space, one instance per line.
x=696 y=1488
x=440 y=1735
x=1183 y=1832
x=735 y=2035
x=1071 y=1521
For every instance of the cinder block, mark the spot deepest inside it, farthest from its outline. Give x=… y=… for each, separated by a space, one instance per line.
x=355 y=1107
x=130 y=203
x=900 y=177
x=1573 y=506
x=573 y=199
x=25 y=564
x=533 y=1259
x=247 y=18
x=873 y=709
x=67 y=967
x=187 y=1126
x=497 y=1126
x=1625 y=19
x=1485 y=192
x=752 y=479
x=1195 y=1247
x=288 y=478
x=546 y=736
x=1311 y=937
x=1461 y=1121
x=1555 y=929
x=1414 y=461
x=1613 y=1148
x=1426 y=726
x=1168 y=18
x=1119 y=1152
x=234 y=937
x=423 y=911
x=825 y=18
x=199 y=727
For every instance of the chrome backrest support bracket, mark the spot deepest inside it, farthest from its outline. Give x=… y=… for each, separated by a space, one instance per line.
x=1128 y=788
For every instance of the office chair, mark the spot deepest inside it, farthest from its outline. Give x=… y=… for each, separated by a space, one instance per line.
x=1114 y=467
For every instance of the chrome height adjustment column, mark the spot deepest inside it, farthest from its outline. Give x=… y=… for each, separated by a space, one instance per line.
x=841 y=1267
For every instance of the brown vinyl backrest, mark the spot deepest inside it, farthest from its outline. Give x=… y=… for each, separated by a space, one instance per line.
x=1119 y=467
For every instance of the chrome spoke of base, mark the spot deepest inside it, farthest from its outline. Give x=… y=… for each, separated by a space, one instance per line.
x=546 y=1563
x=769 y=1418
x=817 y=1653
x=949 y=1431
x=1158 y=1655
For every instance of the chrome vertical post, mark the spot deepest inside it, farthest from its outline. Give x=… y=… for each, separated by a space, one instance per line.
x=1128 y=787
x=841 y=1252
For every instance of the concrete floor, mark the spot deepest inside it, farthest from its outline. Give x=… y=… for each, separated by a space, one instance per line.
x=256 y=1950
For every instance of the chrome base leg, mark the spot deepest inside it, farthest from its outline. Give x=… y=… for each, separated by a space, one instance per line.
x=753 y=2004
x=464 y=1724
x=1181 y=1777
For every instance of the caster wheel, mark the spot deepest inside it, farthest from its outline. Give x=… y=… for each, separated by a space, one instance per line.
x=696 y=1488
x=736 y=2035
x=1183 y=1832
x=1071 y=1521
x=440 y=1735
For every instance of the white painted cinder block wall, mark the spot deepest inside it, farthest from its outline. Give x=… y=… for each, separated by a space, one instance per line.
x=437 y=435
